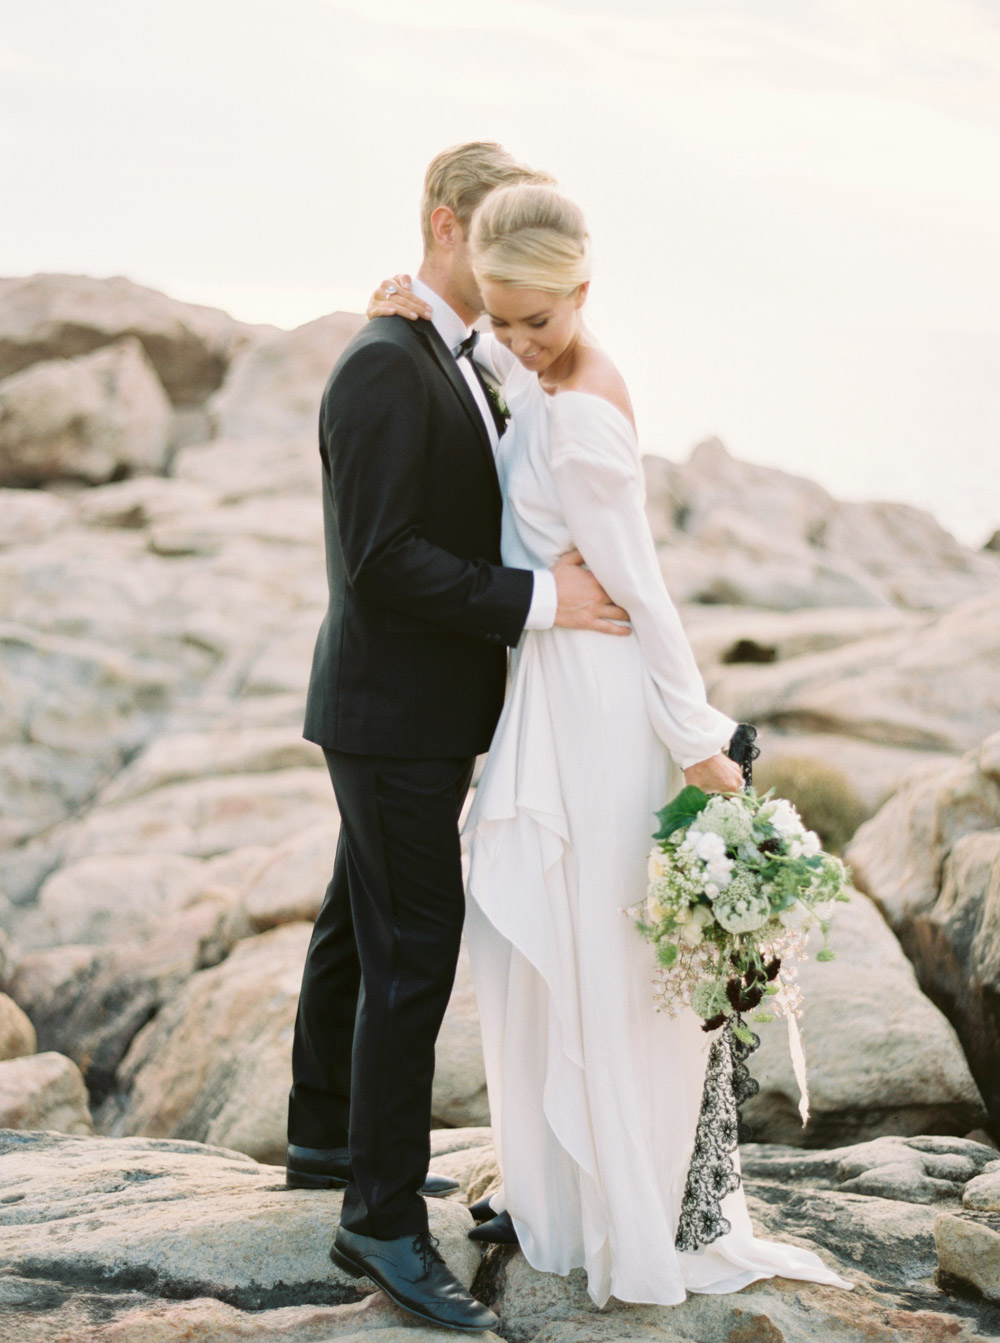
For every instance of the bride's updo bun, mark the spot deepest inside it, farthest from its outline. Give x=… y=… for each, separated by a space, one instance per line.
x=530 y=237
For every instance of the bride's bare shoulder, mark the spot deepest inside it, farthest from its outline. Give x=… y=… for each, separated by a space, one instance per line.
x=596 y=374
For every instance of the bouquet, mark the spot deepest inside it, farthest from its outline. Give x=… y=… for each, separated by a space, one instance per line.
x=735 y=884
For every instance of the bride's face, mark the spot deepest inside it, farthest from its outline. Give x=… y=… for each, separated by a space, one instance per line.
x=537 y=327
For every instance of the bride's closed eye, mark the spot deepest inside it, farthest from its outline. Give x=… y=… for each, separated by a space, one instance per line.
x=497 y=325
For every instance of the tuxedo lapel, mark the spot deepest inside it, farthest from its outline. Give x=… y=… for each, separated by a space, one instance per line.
x=449 y=366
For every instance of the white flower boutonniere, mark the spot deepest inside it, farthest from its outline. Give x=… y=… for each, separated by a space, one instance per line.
x=496 y=399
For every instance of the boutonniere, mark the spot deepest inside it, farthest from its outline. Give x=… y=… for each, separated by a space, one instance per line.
x=497 y=401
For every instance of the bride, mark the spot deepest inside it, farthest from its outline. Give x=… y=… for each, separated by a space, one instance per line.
x=594 y=1096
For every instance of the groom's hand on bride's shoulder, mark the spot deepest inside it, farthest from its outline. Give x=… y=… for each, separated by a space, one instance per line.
x=582 y=604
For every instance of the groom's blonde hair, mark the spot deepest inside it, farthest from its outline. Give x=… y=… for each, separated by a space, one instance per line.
x=463 y=176
x=531 y=237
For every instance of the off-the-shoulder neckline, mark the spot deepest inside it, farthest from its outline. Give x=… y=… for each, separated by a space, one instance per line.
x=553 y=397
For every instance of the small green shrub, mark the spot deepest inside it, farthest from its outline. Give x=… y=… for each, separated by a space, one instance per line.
x=823 y=794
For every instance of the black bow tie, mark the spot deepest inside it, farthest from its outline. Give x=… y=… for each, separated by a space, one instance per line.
x=467 y=345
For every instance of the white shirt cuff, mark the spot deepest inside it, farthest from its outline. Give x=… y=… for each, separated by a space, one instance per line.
x=542 y=612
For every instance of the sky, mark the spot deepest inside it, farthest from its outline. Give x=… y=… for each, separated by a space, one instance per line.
x=794 y=204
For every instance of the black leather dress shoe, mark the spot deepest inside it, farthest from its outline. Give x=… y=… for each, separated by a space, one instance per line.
x=330 y=1168
x=482 y=1210
x=499 y=1230
x=411 y=1272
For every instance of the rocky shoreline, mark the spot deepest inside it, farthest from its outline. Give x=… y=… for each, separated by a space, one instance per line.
x=166 y=836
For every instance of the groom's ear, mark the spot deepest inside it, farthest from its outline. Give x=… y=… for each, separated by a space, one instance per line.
x=445 y=227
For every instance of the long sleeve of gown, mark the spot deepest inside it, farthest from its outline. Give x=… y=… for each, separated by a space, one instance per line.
x=598 y=476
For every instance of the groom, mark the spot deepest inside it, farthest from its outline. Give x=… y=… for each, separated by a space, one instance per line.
x=407 y=684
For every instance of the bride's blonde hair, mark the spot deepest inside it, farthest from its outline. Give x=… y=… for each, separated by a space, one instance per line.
x=530 y=237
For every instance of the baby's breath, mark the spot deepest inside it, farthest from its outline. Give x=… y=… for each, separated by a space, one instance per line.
x=735 y=885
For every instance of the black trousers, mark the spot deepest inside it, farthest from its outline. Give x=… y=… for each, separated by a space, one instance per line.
x=378 y=976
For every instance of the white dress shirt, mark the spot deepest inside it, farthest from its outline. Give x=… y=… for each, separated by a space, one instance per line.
x=452 y=330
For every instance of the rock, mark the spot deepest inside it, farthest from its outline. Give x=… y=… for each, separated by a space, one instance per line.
x=177 y=757
x=91 y=418
x=165 y=1240
x=279 y=520
x=9 y=955
x=956 y=947
x=102 y=587
x=89 y=1002
x=737 y=635
x=215 y=1064
x=203 y=817
x=915 y=1170
x=459 y=1075
x=17 y=1035
x=284 y=663
x=541 y=1308
x=731 y=532
x=274 y=389
x=112 y=898
x=969 y=1253
x=62 y=316
x=70 y=712
x=931 y=689
x=372 y=1320
x=243 y=467
x=872 y=771
x=881 y=1058
x=30 y=515
x=290 y=886
x=140 y=503
x=447 y=1140
x=44 y=1091
x=73 y=696
x=924 y=821
x=176 y=1220
x=881 y=1243
x=983 y=1193
x=931 y=859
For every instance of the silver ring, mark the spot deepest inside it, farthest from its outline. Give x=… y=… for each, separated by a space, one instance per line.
x=390 y=289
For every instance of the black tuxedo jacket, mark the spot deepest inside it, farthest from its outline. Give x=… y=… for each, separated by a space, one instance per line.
x=411 y=658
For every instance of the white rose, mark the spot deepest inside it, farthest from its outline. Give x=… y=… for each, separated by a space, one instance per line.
x=711 y=890
x=702 y=915
x=709 y=847
x=718 y=871
x=654 y=910
x=811 y=844
x=785 y=819
x=682 y=915
x=656 y=867
x=691 y=933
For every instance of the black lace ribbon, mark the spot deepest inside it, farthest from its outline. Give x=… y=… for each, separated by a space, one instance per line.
x=712 y=1173
x=743 y=750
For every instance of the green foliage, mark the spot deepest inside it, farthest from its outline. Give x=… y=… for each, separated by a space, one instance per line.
x=822 y=793
x=667 y=953
x=678 y=814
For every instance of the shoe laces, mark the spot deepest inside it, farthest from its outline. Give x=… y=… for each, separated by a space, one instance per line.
x=427 y=1246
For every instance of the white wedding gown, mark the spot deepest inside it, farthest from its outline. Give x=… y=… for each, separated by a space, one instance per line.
x=594 y=1096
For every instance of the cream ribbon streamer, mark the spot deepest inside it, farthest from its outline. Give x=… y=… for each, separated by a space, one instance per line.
x=798 y=1054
